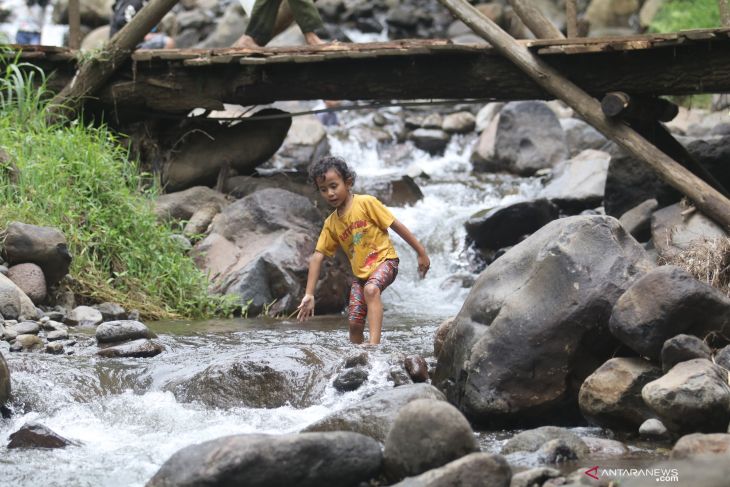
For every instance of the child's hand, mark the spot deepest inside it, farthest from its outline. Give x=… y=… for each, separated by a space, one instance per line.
x=424 y=264
x=306 y=308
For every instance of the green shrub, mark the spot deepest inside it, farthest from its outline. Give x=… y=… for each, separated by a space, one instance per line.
x=676 y=15
x=78 y=179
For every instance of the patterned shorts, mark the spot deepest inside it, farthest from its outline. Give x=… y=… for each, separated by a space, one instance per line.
x=382 y=277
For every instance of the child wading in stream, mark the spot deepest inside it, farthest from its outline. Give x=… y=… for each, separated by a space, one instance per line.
x=359 y=225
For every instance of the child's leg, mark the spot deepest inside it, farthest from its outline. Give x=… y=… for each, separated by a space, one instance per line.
x=375 y=312
x=356 y=312
x=380 y=279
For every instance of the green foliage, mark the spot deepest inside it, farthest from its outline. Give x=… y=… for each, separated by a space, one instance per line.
x=78 y=179
x=676 y=15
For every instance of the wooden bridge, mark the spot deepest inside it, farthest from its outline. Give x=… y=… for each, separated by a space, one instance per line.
x=628 y=72
x=172 y=82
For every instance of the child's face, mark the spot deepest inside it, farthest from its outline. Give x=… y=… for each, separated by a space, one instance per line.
x=333 y=188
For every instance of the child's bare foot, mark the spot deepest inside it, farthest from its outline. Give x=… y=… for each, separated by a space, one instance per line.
x=247 y=42
x=313 y=39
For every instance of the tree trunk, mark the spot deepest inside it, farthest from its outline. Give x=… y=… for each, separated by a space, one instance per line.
x=705 y=197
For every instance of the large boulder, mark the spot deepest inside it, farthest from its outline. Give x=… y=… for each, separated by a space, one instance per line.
x=630 y=182
x=637 y=221
x=307 y=459
x=699 y=444
x=536 y=439
x=611 y=396
x=122 y=330
x=535 y=324
x=182 y=205
x=426 y=434
x=14 y=303
x=692 y=397
x=722 y=357
x=433 y=141
x=241 y=186
x=29 y=277
x=581 y=136
x=84 y=316
x=44 y=246
x=259 y=247
x=579 y=183
x=505 y=226
x=305 y=143
x=374 y=415
x=264 y=378
x=666 y=302
x=141 y=347
x=681 y=348
x=37 y=435
x=673 y=231
x=396 y=192
x=473 y=470
x=528 y=138
x=200 y=157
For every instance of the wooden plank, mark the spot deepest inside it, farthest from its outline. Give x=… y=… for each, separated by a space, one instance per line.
x=571 y=18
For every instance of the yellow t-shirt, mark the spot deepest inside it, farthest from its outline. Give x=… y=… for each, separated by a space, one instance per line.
x=362 y=233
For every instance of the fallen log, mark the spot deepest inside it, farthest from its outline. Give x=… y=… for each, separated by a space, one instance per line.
x=710 y=201
x=93 y=73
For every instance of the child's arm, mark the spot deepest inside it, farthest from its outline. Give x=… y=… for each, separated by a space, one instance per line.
x=424 y=263
x=306 y=308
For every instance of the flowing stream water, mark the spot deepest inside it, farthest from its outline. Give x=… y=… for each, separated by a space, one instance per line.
x=127 y=420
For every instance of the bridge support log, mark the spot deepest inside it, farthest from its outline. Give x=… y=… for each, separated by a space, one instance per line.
x=710 y=201
x=94 y=73
x=643 y=115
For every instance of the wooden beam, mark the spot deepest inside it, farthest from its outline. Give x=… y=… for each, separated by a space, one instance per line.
x=571 y=18
x=724 y=12
x=93 y=73
x=534 y=20
x=711 y=202
x=74 y=24
x=620 y=105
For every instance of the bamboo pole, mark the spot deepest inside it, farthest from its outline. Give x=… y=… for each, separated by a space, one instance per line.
x=534 y=20
x=74 y=24
x=705 y=197
x=571 y=18
x=92 y=74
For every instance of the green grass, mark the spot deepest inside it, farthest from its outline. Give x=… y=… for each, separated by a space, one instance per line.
x=78 y=179
x=678 y=15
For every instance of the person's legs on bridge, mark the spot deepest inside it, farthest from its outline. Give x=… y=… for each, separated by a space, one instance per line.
x=263 y=19
x=261 y=23
x=307 y=17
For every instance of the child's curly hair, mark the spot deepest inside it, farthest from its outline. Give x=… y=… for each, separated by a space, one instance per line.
x=318 y=169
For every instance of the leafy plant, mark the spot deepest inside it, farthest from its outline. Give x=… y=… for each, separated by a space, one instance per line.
x=80 y=180
x=676 y=15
